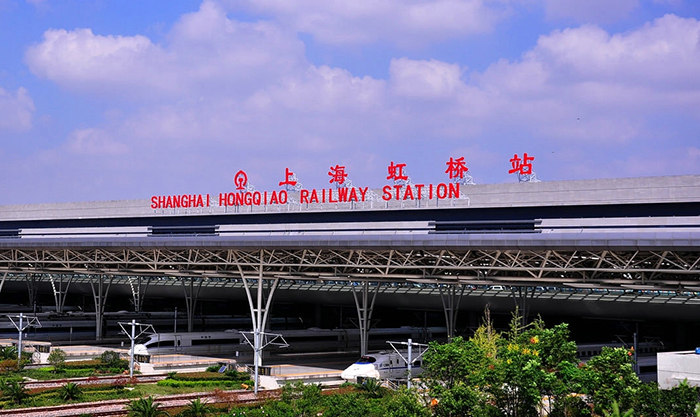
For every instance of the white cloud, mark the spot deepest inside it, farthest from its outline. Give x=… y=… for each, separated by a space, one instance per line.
x=398 y=22
x=84 y=61
x=16 y=110
x=424 y=79
x=665 y=52
x=584 y=83
x=94 y=142
x=207 y=53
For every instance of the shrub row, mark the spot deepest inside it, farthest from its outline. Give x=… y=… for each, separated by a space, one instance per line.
x=201 y=383
x=210 y=376
x=97 y=364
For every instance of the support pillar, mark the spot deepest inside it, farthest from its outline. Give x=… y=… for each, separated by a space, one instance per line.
x=364 y=313
x=99 y=295
x=59 y=290
x=259 y=310
x=138 y=292
x=191 y=297
x=2 y=282
x=31 y=290
x=451 y=298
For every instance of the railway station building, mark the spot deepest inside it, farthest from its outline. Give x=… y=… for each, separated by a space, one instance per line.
x=608 y=250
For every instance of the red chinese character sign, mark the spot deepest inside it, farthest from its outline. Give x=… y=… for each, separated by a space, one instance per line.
x=243 y=194
x=523 y=167
x=291 y=182
x=396 y=172
x=457 y=171
x=337 y=175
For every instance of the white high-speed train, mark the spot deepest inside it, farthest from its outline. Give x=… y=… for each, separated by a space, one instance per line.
x=233 y=343
x=382 y=365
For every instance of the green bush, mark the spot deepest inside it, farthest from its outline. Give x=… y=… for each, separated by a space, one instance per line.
x=111 y=359
x=97 y=364
x=70 y=391
x=570 y=406
x=87 y=363
x=8 y=365
x=651 y=401
x=406 y=403
x=145 y=407
x=57 y=359
x=199 y=376
x=8 y=352
x=15 y=391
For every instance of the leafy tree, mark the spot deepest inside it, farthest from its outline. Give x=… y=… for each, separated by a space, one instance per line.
x=145 y=407
x=197 y=408
x=70 y=391
x=503 y=374
x=609 y=377
x=57 y=358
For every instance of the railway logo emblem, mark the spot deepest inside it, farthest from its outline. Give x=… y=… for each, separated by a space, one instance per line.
x=240 y=180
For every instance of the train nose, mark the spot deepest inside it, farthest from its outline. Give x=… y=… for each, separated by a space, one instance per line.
x=140 y=349
x=362 y=371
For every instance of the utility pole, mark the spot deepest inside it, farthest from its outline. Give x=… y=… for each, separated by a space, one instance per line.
x=143 y=329
x=409 y=359
x=21 y=325
x=261 y=340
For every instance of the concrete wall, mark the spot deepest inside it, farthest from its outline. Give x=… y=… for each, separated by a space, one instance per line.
x=674 y=367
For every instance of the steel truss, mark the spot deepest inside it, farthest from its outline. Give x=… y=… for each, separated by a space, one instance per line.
x=648 y=269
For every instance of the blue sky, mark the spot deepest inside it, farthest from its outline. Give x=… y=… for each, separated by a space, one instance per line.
x=123 y=100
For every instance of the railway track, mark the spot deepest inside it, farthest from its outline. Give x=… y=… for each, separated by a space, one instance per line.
x=119 y=407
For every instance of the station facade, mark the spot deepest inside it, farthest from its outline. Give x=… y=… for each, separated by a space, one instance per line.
x=608 y=248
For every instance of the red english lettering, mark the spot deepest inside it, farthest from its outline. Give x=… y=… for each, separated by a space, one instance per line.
x=441 y=191
x=386 y=193
x=363 y=191
x=454 y=190
x=409 y=192
x=419 y=188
